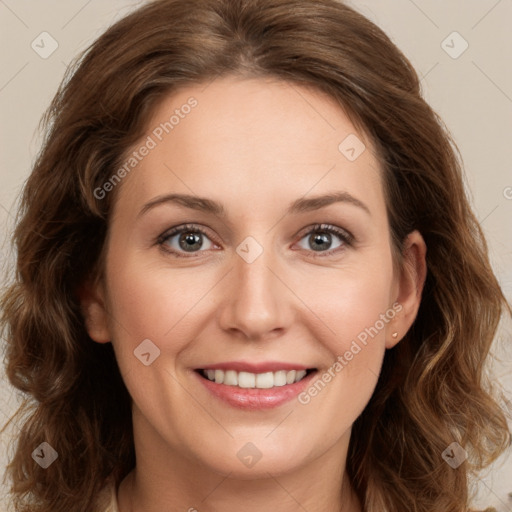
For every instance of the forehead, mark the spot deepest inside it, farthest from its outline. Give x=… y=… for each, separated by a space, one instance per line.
x=254 y=139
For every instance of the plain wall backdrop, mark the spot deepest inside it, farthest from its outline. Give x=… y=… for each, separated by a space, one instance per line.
x=461 y=50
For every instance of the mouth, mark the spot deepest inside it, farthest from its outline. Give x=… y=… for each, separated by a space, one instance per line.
x=255 y=386
x=249 y=380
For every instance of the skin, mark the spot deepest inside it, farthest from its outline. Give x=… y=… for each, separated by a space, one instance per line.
x=255 y=145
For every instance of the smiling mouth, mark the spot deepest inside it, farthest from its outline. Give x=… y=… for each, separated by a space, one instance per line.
x=248 y=380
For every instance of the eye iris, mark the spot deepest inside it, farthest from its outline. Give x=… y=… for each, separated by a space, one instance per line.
x=321 y=239
x=190 y=241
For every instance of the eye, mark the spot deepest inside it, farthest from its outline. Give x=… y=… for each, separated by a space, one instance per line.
x=320 y=239
x=191 y=238
x=185 y=239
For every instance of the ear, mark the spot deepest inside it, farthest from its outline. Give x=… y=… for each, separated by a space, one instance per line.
x=92 y=304
x=410 y=286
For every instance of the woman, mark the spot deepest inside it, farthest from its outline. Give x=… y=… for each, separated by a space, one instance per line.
x=184 y=341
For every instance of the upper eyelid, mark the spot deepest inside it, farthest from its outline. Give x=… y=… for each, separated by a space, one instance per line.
x=183 y=228
x=331 y=228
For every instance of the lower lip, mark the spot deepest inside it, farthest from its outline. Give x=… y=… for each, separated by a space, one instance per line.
x=254 y=398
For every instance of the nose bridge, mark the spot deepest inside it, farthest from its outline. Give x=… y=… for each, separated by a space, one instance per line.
x=257 y=301
x=252 y=269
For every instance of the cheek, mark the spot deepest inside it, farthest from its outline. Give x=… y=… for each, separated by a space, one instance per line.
x=351 y=302
x=358 y=345
x=355 y=306
x=154 y=304
x=355 y=313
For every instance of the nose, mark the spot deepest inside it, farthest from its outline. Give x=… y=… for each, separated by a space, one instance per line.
x=257 y=304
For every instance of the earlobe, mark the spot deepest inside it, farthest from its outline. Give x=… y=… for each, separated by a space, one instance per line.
x=94 y=312
x=410 y=286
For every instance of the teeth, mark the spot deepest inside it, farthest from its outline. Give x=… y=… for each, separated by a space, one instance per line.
x=246 y=380
x=231 y=378
x=219 y=376
x=280 y=378
x=265 y=380
x=300 y=375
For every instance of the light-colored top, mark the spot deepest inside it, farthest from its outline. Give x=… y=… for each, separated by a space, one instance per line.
x=107 y=499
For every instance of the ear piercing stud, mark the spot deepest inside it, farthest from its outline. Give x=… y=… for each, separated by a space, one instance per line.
x=394 y=335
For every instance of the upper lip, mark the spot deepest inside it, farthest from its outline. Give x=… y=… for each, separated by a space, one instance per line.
x=262 y=367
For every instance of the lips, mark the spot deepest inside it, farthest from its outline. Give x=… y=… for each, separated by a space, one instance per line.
x=254 y=385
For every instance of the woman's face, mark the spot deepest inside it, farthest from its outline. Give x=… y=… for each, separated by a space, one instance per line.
x=250 y=287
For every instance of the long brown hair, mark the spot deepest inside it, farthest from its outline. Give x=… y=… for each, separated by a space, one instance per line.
x=432 y=390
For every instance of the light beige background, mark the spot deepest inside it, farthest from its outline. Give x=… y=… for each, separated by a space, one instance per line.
x=472 y=93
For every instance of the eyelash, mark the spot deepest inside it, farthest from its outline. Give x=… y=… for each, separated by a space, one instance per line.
x=346 y=238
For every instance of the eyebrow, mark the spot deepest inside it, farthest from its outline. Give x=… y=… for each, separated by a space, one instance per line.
x=210 y=206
